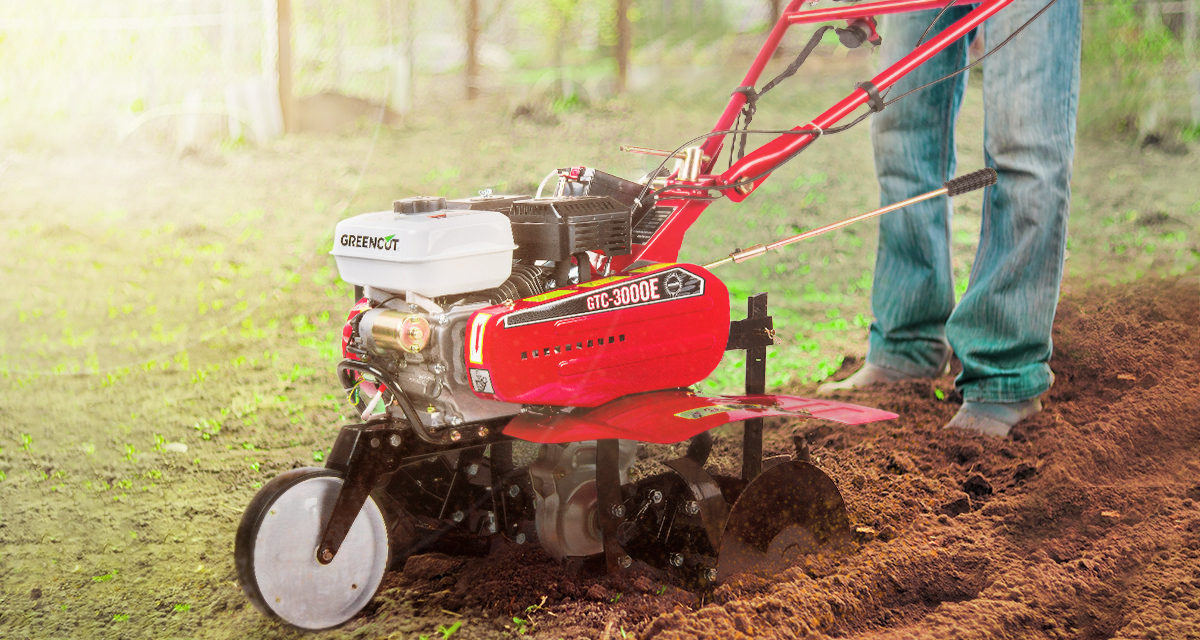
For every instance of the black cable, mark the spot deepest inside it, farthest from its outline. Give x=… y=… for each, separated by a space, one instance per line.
x=637 y=201
x=980 y=59
x=933 y=22
x=753 y=96
x=925 y=33
x=753 y=179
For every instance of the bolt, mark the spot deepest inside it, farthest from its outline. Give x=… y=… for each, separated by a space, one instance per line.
x=375 y=443
x=710 y=574
x=472 y=469
x=691 y=507
x=625 y=562
x=519 y=538
x=458 y=516
x=439 y=368
x=394 y=440
x=514 y=491
x=617 y=510
x=483 y=432
x=491 y=522
x=455 y=435
x=676 y=559
x=656 y=496
x=456 y=420
x=326 y=556
x=443 y=319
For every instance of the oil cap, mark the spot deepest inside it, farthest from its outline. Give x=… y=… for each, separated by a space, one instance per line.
x=419 y=204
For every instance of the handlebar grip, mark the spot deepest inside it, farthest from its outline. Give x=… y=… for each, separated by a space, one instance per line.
x=971 y=181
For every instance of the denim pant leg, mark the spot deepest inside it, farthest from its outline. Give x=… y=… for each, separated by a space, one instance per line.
x=1000 y=330
x=913 y=291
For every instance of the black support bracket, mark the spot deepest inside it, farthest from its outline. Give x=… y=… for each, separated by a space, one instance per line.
x=754 y=334
x=611 y=508
x=365 y=455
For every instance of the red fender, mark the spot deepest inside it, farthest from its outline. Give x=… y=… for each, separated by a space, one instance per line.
x=665 y=417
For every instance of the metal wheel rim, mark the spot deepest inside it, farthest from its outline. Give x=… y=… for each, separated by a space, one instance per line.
x=290 y=581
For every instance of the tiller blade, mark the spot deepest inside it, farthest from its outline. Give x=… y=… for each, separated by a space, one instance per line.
x=790 y=511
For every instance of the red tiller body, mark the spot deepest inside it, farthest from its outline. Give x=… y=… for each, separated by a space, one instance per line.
x=658 y=327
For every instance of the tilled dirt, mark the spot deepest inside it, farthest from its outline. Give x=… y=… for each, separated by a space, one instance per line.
x=1085 y=523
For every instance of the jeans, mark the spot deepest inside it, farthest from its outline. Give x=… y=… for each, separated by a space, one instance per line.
x=1000 y=329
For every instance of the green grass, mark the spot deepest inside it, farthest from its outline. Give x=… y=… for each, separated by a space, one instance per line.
x=171 y=324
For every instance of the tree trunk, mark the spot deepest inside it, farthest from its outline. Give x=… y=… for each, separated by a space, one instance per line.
x=776 y=10
x=400 y=20
x=472 y=49
x=1190 y=24
x=624 y=44
x=283 y=63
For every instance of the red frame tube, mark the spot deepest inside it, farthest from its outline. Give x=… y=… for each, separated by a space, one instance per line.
x=664 y=245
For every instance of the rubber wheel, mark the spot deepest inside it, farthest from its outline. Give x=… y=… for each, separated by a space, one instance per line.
x=275 y=552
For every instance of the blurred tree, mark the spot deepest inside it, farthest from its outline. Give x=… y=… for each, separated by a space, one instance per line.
x=475 y=25
x=472 y=49
x=404 y=75
x=624 y=43
x=561 y=13
x=283 y=62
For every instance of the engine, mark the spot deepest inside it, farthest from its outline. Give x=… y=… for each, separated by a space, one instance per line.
x=428 y=265
x=475 y=308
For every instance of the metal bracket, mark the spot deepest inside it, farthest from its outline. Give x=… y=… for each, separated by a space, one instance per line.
x=751 y=332
x=713 y=509
x=610 y=505
x=365 y=455
x=756 y=383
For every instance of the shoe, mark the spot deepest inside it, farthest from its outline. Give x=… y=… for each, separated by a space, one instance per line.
x=993 y=418
x=869 y=375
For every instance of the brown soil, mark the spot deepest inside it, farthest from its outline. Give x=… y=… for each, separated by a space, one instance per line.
x=1084 y=524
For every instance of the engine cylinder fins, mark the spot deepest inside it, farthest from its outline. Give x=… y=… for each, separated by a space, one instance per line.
x=526 y=280
x=790 y=512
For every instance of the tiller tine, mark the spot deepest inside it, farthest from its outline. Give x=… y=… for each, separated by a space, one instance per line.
x=790 y=511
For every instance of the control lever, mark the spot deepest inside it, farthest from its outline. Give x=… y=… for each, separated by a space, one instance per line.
x=957 y=186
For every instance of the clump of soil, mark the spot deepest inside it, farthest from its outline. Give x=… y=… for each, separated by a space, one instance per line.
x=1085 y=523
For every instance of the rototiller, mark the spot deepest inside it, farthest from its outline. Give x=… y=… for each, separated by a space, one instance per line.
x=562 y=321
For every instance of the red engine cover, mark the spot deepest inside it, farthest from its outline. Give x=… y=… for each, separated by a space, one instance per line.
x=657 y=327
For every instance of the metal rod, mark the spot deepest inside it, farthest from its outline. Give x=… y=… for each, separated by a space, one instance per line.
x=629 y=148
x=758 y=250
x=876 y=9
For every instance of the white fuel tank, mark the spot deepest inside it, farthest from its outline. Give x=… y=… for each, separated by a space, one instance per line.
x=432 y=251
